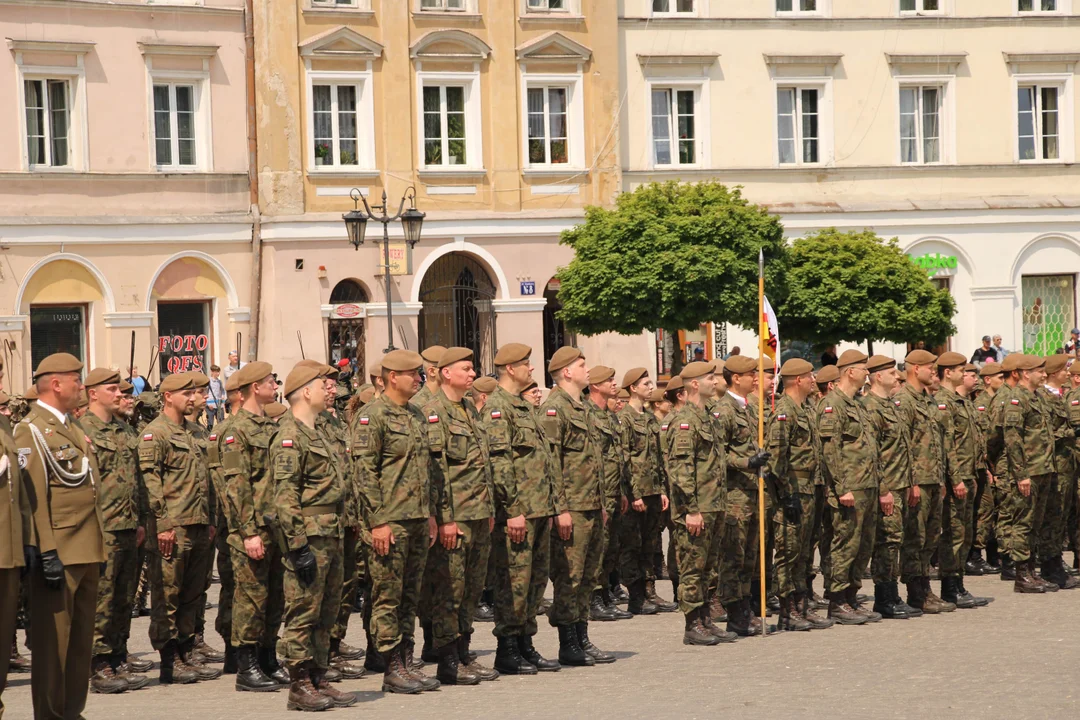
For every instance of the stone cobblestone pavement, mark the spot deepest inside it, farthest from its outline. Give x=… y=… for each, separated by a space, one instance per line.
x=1017 y=658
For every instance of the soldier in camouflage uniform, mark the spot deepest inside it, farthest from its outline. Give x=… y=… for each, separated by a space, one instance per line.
x=431 y=356
x=389 y=452
x=524 y=496
x=177 y=483
x=821 y=529
x=674 y=400
x=124 y=526
x=922 y=524
x=983 y=532
x=1072 y=399
x=344 y=390
x=578 y=547
x=310 y=494
x=695 y=463
x=1062 y=494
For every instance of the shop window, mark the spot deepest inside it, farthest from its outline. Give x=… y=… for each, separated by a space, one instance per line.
x=56 y=329
x=674 y=350
x=1049 y=312
x=183 y=337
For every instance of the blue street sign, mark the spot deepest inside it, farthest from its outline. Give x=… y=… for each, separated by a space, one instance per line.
x=528 y=287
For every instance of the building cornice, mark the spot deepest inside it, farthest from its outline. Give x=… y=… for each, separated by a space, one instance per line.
x=801 y=59
x=835 y=23
x=697 y=59
x=154 y=47
x=924 y=59
x=155 y=8
x=1041 y=57
x=50 y=46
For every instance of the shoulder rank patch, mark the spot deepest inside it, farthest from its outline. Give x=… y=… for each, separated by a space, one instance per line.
x=495 y=414
x=684 y=426
x=828 y=409
x=364 y=421
x=286 y=443
x=433 y=418
x=1015 y=401
x=552 y=413
x=781 y=417
x=229 y=440
x=214 y=436
x=147 y=437
x=941 y=406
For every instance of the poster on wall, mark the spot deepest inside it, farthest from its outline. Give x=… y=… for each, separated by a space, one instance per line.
x=183 y=341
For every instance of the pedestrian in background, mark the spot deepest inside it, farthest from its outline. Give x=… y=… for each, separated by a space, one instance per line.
x=233 y=366
x=137 y=380
x=984 y=354
x=1073 y=346
x=999 y=349
x=215 y=398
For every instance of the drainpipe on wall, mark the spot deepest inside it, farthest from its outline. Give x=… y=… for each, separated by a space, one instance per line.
x=253 y=184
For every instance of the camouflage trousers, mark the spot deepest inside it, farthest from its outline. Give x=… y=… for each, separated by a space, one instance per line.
x=521 y=576
x=226 y=587
x=114 y=599
x=739 y=546
x=697 y=556
x=258 y=596
x=575 y=567
x=350 y=566
x=1026 y=516
x=613 y=532
x=395 y=584
x=452 y=589
x=311 y=610
x=790 y=541
x=640 y=541
x=177 y=584
x=983 y=524
x=888 y=540
x=1002 y=516
x=852 y=538
x=820 y=538
x=1060 y=498
x=922 y=529
x=955 y=542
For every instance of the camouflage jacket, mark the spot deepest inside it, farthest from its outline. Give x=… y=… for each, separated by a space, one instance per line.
x=1027 y=435
x=175 y=472
x=423 y=396
x=1064 y=435
x=695 y=463
x=249 y=485
x=641 y=448
x=923 y=420
x=794 y=447
x=460 y=473
x=120 y=492
x=849 y=445
x=337 y=437
x=391 y=459
x=607 y=434
x=522 y=468
x=579 y=481
x=961 y=436
x=310 y=490
x=892 y=440
x=983 y=404
x=1072 y=402
x=217 y=474
x=738 y=435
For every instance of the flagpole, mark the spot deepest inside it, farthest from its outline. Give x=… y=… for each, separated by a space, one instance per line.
x=762 y=329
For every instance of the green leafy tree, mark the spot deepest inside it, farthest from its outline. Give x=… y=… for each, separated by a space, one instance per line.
x=857 y=287
x=672 y=256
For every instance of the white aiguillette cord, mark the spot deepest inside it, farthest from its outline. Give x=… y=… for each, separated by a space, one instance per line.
x=65 y=478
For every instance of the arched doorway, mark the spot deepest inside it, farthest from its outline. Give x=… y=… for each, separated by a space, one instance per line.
x=345 y=329
x=456 y=293
x=555 y=333
x=61 y=298
x=187 y=293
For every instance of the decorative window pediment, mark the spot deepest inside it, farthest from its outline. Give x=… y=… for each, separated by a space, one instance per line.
x=552 y=47
x=341 y=42
x=449 y=45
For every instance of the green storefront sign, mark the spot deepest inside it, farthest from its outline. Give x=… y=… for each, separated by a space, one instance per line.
x=932 y=262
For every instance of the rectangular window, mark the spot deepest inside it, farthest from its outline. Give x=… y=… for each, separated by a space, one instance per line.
x=916 y=6
x=332 y=3
x=446 y=5
x=807 y=6
x=174 y=124
x=547 y=4
x=57 y=328
x=48 y=121
x=1048 y=306
x=547 y=126
x=334 y=119
x=444 y=125
x=673 y=6
x=797 y=125
x=1038 y=122
x=1038 y=5
x=920 y=124
x=674 y=134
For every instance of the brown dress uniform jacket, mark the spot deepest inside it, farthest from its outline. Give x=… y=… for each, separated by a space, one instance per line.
x=15 y=521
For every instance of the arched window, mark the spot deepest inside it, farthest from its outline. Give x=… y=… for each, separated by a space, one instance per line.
x=348 y=291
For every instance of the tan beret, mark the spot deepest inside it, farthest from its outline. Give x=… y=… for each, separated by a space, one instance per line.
x=529 y=387
x=230 y=384
x=1074 y=369
x=1032 y=362
x=563 y=357
x=325 y=370
x=951 y=359
x=275 y=410
x=657 y=396
x=433 y=354
x=740 y=364
x=623 y=394
x=451 y=355
x=31 y=393
x=367 y=395
x=102 y=376
x=971 y=367
x=877 y=363
x=58 y=363
x=511 y=353
x=199 y=380
x=126 y=387
x=300 y=376
x=402 y=361
x=600 y=373
x=632 y=376
x=375 y=371
x=84 y=399
x=254 y=372
x=850 y=357
x=827 y=374
x=485 y=384
x=991 y=369
x=675 y=383
x=697 y=369
x=796 y=367
x=1056 y=363
x=920 y=357
x=718 y=365
x=1012 y=362
x=177 y=382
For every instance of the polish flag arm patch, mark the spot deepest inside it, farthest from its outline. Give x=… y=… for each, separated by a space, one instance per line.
x=663 y=428
x=828 y=410
x=364 y=421
x=433 y=418
x=684 y=426
x=781 y=417
x=981 y=408
x=1076 y=402
x=286 y=443
x=552 y=413
x=148 y=437
x=229 y=440
x=1015 y=402
x=213 y=437
x=941 y=406
x=495 y=414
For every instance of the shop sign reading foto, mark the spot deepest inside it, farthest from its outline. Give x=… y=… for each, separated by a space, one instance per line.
x=187 y=351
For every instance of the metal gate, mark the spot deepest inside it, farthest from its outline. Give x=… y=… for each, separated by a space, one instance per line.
x=346 y=340
x=457 y=312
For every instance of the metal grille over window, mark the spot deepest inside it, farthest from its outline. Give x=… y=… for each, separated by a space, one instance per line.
x=1049 y=312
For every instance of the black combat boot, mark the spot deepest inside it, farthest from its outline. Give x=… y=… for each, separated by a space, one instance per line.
x=428 y=653
x=963 y=592
x=230 y=665
x=508 y=658
x=249 y=676
x=267 y=659
x=737 y=622
x=661 y=604
x=616 y=589
x=173 y=669
x=1053 y=570
x=485 y=609
x=639 y=604
x=534 y=658
x=598 y=611
x=973 y=564
x=374 y=661
x=885 y=605
x=612 y=607
x=1008 y=568
x=992 y=564
x=570 y=651
x=950 y=593
x=601 y=657
x=674 y=577
x=451 y=670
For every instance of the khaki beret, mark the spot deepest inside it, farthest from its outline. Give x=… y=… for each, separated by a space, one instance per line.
x=230 y=384
x=326 y=370
x=740 y=364
x=84 y=399
x=971 y=367
x=367 y=395
x=623 y=394
x=31 y=393
x=1056 y=363
x=563 y=357
x=199 y=380
x=254 y=372
x=675 y=383
x=102 y=376
x=877 y=363
x=485 y=384
x=511 y=353
x=632 y=376
x=920 y=357
x=1074 y=369
x=530 y=386
x=375 y=371
x=177 y=382
x=432 y=355
x=402 y=361
x=850 y=357
x=1011 y=362
x=600 y=373
x=827 y=374
x=990 y=369
x=657 y=396
x=300 y=376
x=58 y=363
x=126 y=387
x=951 y=359
x=795 y=367
x=1032 y=362
x=4 y=398
x=697 y=369
x=275 y=410
x=451 y=355
x=718 y=365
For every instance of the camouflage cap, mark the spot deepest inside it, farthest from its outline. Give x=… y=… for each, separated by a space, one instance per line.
x=485 y=384
x=450 y=356
x=632 y=375
x=697 y=369
x=252 y=372
x=433 y=354
x=402 y=361
x=850 y=357
x=511 y=353
x=796 y=367
x=1056 y=363
x=877 y=363
x=102 y=376
x=827 y=374
x=563 y=357
x=951 y=359
x=920 y=357
x=58 y=363
x=176 y=383
x=991 y=369
x=600 y=373
x=740 y=364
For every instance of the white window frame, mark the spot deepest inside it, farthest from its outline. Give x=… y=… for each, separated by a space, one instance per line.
x=78 y=155
x=204 y=143
x=1064 y=7
x=575 y=118
x=946 y=120
x=174 y=134
x=697 y=11
x=46 y=122
x=474 y=146
x=702 y=120
x=1066 y=119
x=945 y=8
x=824 y=87
x=824 y=9
x=468 y=6
x=365 y=119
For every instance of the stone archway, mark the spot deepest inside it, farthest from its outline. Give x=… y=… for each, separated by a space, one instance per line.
x=456 y=294
x=346 y=326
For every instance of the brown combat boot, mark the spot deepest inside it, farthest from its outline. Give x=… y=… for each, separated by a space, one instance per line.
x=302 y=693
x=207 y=653
x=173 y=669
x=338 y=662
x=1044 y=581
x=469 y=659
x=841 y=612
x=413 y=668
x=695 y=632
x=661 y=604
x=396 y=679
x=104 y=680
x=451 y=670
x=194 y=661
x=810 y=615
x=716 y=609
x=933 y=601
x=123 y=670
x=852 y=594
x=349 y=652
x=320 y=683
x=1025 y=582
x=790 y=619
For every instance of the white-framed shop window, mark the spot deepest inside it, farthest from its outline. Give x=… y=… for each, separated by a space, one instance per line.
x=450 y=127
x=923 y=124
x=341 y=122
x=554 y=132
x=803 y=123
x=181 y=138
x=444 y=5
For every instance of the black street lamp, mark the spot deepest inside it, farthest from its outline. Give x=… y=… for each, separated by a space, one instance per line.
x=356 y=227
